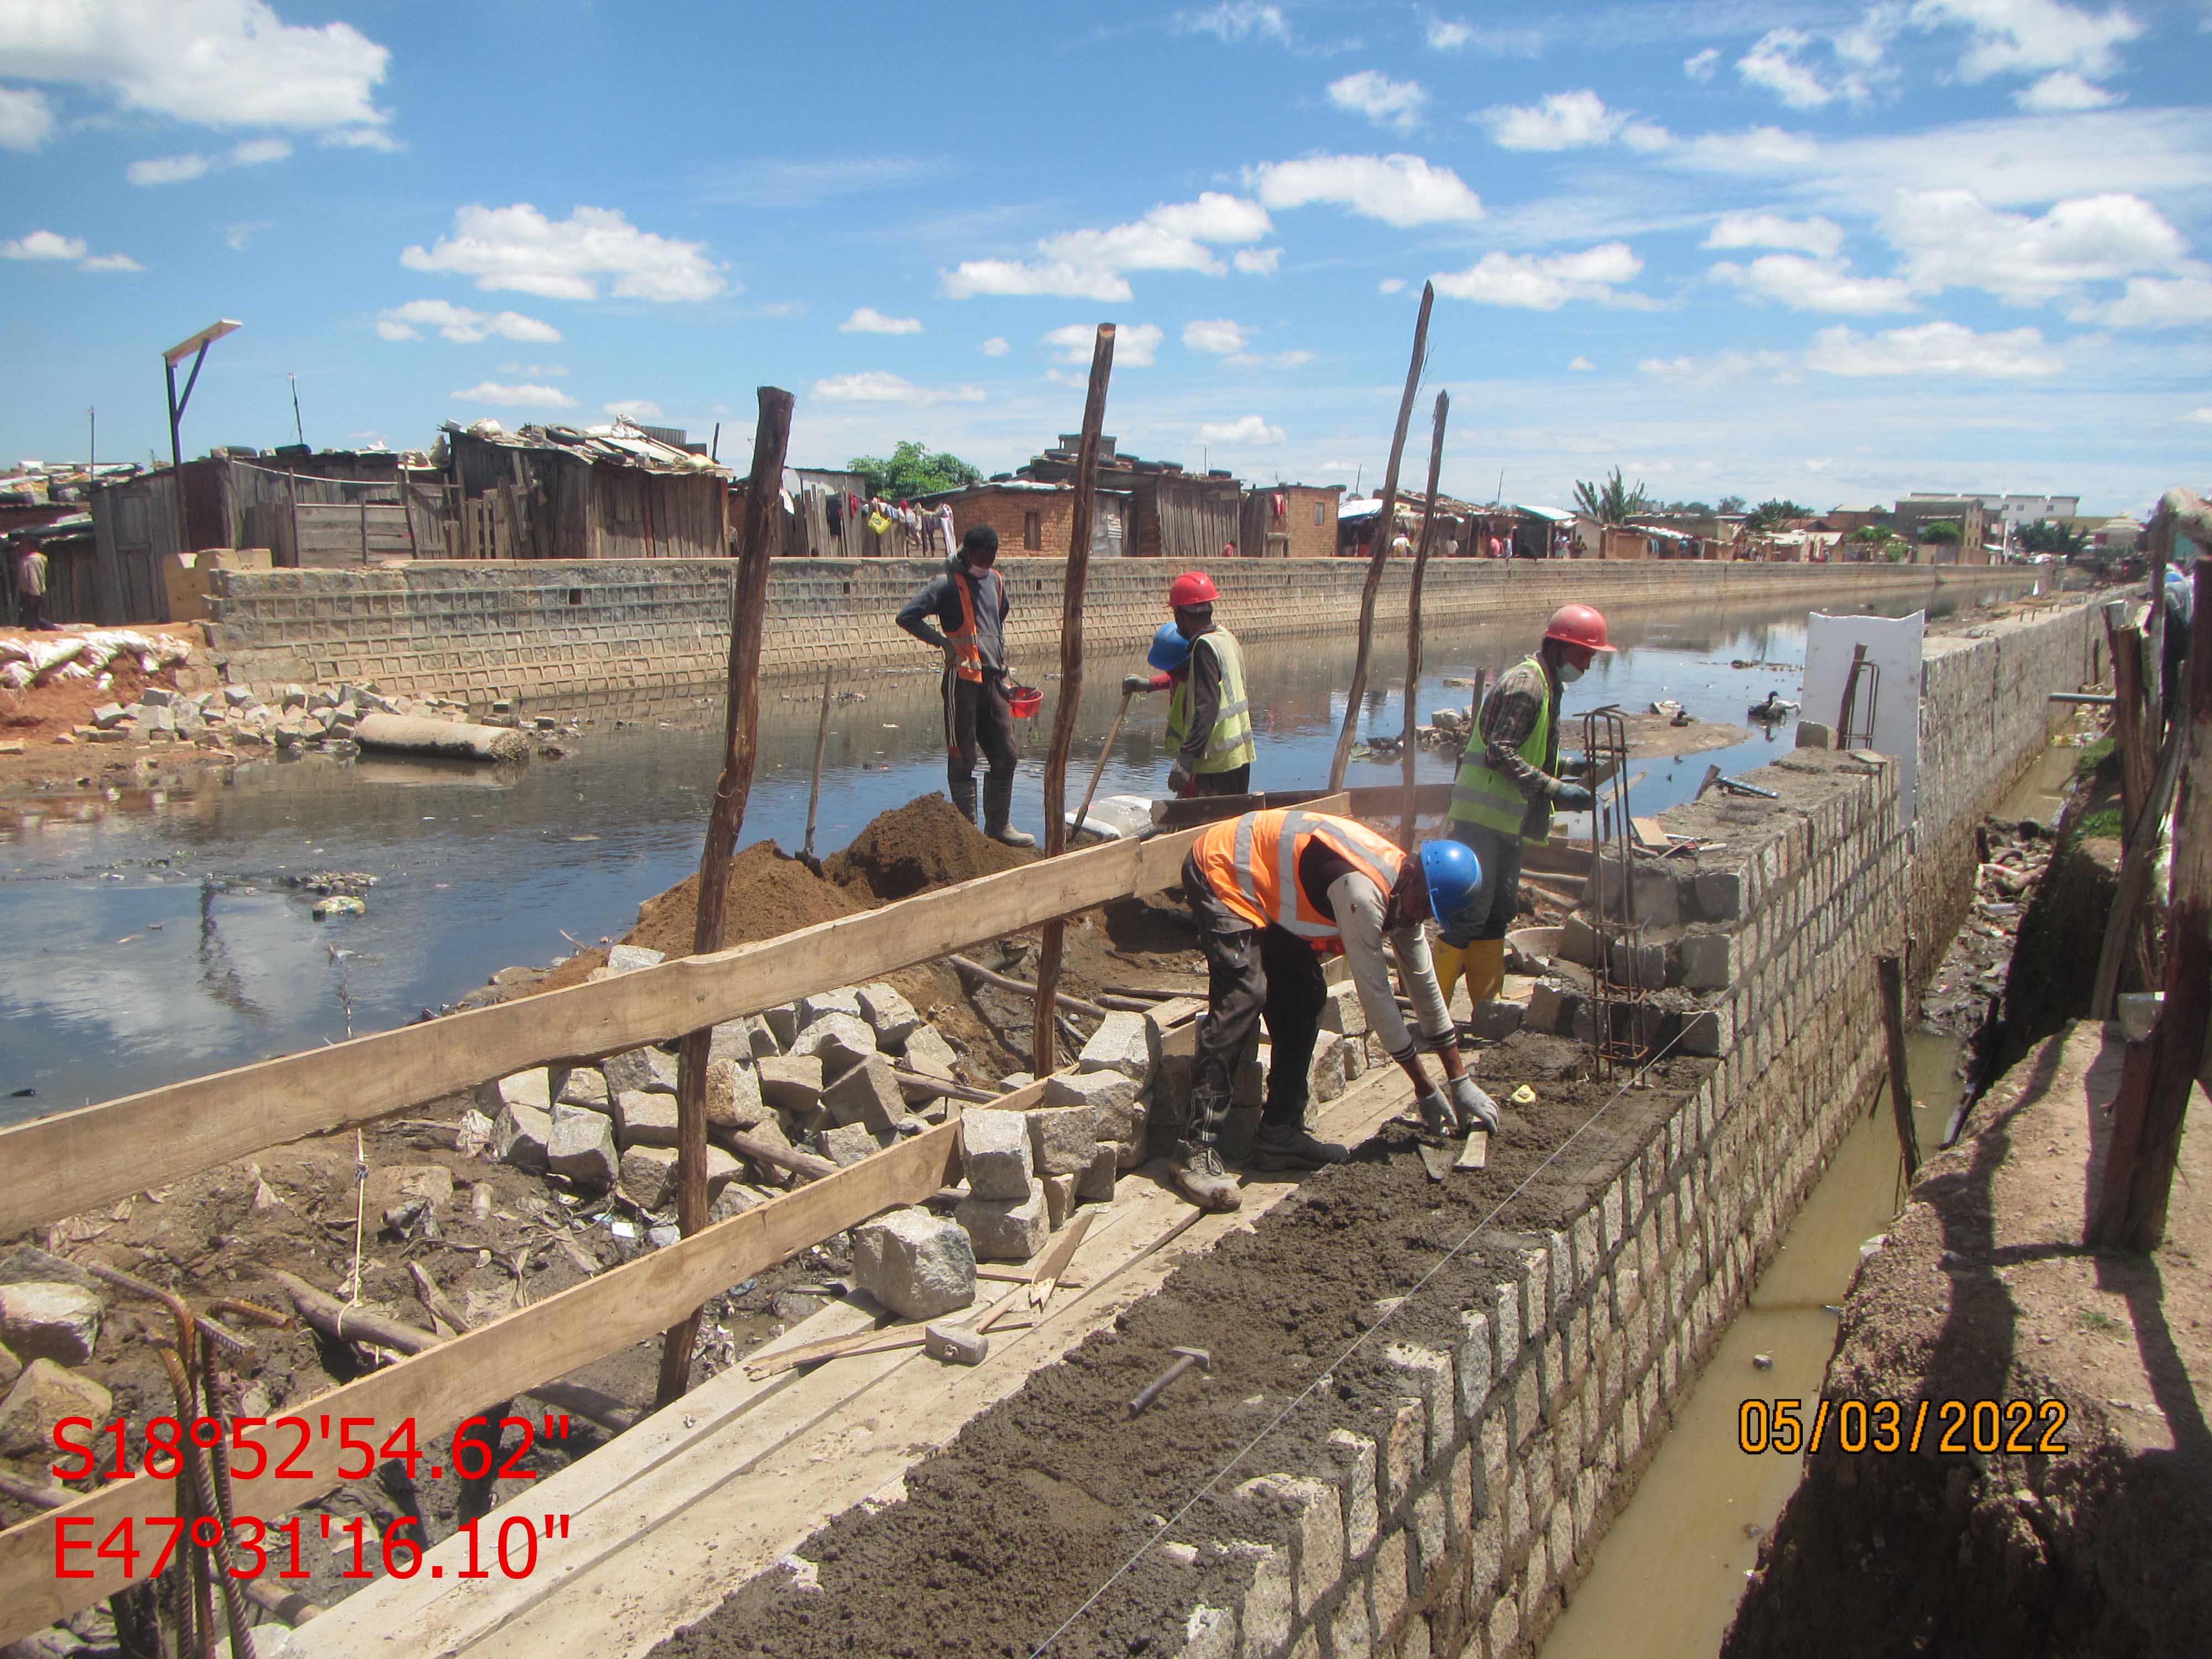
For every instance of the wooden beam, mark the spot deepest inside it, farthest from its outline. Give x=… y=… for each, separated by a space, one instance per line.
x=1043 y=1032
x=740 y=750
x=90 y=1158
x=1891 y=972
x=454 y=1379
x=2124 y=920
x=1385 y=521
x=1409 y=746
x=2131 y=725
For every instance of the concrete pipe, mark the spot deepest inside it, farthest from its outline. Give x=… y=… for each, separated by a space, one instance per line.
x=412 y=734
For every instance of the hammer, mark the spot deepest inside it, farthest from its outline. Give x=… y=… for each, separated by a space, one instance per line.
x=1185 y=1358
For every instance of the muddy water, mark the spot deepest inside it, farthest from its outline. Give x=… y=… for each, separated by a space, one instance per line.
x=1668 y=1575
x=151 y=936
x=2041 y=792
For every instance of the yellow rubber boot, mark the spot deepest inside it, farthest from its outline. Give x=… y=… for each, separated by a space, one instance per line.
x=1485 y=967
x=1449 y=961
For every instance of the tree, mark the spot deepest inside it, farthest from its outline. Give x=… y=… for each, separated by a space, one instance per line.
x=2049 y=535
x=1730 y=504
x=1769 y=513
x=1880 y=541
x=1943 y=532
x=1612 y=502
x=912 y=470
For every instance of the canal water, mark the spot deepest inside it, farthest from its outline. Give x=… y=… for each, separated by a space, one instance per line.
x=152 y=937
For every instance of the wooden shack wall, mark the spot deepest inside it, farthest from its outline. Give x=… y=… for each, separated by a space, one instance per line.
x=1196 y=517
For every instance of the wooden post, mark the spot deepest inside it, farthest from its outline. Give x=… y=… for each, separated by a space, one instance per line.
x=2132 y=724
x=1385 y=523
x=1044 y=1033
x=740 y=749
x=1892 y=974
x=1409 y=747
x=814 y=782
x=2147 y=1118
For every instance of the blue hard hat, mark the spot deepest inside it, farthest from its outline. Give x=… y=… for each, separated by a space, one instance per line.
x=1454 y=875
x=1169 y=652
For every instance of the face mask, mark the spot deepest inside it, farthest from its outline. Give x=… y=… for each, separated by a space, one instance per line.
x=1568 y=673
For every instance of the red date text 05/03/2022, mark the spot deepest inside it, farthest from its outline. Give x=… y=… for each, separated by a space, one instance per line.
x=258 y=1546
x=1955 y=1427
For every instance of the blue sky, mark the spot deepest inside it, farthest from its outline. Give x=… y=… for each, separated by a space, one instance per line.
x=1836 y=252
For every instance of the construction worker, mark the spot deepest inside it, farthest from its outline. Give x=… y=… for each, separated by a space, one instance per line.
x=1209 y=717
x=967 y=601
x=1510 y=780
x=1273 y=893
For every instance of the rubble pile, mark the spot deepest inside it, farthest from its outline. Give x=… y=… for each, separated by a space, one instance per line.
x=51 y=1315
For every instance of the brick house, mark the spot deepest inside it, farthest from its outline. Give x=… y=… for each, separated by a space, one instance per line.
x=1037 y=518
x=1289 y=521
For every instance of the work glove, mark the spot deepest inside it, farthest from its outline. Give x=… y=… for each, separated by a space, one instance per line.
x=1133 y=683
x=1435 y=1111
x=1573 y=798
x=1477 y=1110
x=1179 y=782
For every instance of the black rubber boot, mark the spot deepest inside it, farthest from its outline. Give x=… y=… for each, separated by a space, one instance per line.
x=999 y=808
x=962 y=791
x=1288 y=1146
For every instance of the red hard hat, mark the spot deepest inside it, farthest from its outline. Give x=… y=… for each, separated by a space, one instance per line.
x=1192 y=587
x=1578 y=624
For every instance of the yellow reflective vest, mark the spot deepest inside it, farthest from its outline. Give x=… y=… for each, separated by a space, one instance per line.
x=1228 y=746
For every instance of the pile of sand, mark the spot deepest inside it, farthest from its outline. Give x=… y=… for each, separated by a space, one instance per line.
x=921 y=845
x=770 y=893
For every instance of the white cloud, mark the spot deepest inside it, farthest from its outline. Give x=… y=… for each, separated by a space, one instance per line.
x=1772 y=64
x=1257 y=261
x=1806 y=284
x=2151 y=302
x=2202 y=416
x=1449 y=34
x=1935 y=348
x=1220 y=337
x=168 y=169
x=634 y=408
x=237 y=238
x=1237 y=19
x=516 y=397
x=1135 y=344
x=26 y=119
x=1951 y=237
x=1268 y=360
x=2062 y=90
x=1815 y=235
x=459 y=324
x=1250 y=431
x=1391 y=285
x=216 y=62
x=1088 y=264
x=1565 y=120
x=1699 y=66
x=360 y=138
x=536 y=371
x=1720 y=365
x=1386 y=102
x=111 y=262
x=259 y=152
x=1399 y=190
x=43 y=244
x=2021 y=37
x=996 y=346
x=518 y=247
x=1545 y=282
x=868 y=320
x=876 y=385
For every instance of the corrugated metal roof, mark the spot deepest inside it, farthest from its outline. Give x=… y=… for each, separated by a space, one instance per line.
x=619 y=444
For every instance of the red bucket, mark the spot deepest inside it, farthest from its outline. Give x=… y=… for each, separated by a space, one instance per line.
x=1024 y=702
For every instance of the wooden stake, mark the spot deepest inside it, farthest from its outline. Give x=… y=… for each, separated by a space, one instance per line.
x=1043 y=1033
x=1408 y=746
x=1385 y=523
x=814 y=782
x=2147 y=1118
x=2125 y=919
x=1892 y=974
x=2133 y=725
x=740 y=749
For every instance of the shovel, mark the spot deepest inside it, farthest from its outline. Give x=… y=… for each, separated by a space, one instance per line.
x=1099 y=771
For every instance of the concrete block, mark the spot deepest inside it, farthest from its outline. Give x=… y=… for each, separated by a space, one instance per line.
x=1095 y=1184
x=1110 y=1098
x=840 y=1041
x=1058 y=1200
x=867 y=1094
x=790 y=1083
x=519 y=1135
x=42 y=1397
x=890 y=1015
x=648 y=1174
x=845 y=1143
x=733 y=1095
x=1062 y=1139
x=642 y=1070
x=916 y=1264
x=48 y=1319
x=582 y=1147
x=643 y=1119
x=1118 y=1045
x=995 y=1152
x=628 y=958
x=1005 y=1229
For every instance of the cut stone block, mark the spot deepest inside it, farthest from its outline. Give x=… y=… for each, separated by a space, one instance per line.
x=1095 y=1184
x=1058 y=1200
x=519 y=1135
x=1118 y=1045
x=731 y=1040
x=42 y=1397
x=928 y=1053
x=769 y=1132
x=586 y=1085
x=1248 y=1078
x=648 y=1177
x=1343 y=1013
x=1240 y=1127
x=847 y=1143
x=1005 y=1229
x=1110 y=1096
x=994 y=1148
x=1494 y=1022
x=582 y=1147
x=529 y=1088
x=11 y=1369
x=782 y=1024
x=839 y=1041
x=50 y=1320
x=867 y=1094
x=628 y=958
x=722 y=1168
x=644 y=1070
x=916 y=1264
x=1708 y=961
x=644 y=1120
x=1063 y=1138
x=734 y=1094
x=844 y=1000
x=791 y=1083
x=890 y=1015
x=736 y=1198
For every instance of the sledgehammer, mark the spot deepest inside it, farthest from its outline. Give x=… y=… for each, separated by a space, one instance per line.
x=1185 y=1358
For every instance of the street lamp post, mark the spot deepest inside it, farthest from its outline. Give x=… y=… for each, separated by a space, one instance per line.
x=196 y=348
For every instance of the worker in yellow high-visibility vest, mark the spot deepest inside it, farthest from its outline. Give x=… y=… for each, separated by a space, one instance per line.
x=1510 y=780
x=1200 y=666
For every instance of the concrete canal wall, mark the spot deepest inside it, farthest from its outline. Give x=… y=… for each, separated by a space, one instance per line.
x=546 y=627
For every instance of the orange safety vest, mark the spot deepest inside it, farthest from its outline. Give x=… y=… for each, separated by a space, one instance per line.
x=967 y=650
x=1252 y=865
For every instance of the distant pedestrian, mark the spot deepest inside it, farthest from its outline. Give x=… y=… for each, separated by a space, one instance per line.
x=31 y=586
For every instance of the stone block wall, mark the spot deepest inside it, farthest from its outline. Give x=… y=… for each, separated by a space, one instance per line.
x=1459 y=1528
x=546 y=627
